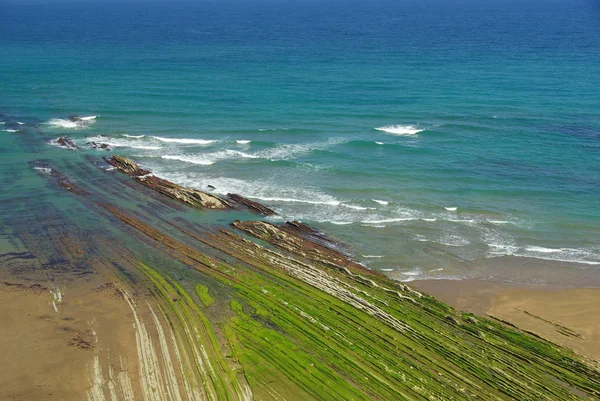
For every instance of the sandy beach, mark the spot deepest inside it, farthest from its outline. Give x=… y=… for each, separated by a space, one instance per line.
x=567 y=316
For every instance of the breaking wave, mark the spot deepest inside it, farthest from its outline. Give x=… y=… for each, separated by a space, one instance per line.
x=185 y=141
x=400 y=129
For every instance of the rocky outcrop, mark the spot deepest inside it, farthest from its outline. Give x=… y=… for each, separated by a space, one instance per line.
x=96 y=145
x=246 y=203
x=188 y=196
x=292 y=237
x=66 y=143
x=126 y=166
x=191 y=197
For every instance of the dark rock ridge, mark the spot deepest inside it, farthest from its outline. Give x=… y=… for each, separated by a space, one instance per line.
x=126 y=166
x=96 y=145
x=66 y=143
x=191 y=197
x=250 y=205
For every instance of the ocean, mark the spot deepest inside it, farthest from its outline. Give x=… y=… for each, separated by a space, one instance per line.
x=431 y=136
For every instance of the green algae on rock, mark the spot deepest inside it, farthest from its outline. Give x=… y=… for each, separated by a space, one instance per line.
x=254 y=310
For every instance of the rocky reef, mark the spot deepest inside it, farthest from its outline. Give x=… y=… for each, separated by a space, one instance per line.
x=155 y=304
x=191 y=197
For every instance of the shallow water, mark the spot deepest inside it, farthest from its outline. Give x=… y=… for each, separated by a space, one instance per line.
x=424 y=135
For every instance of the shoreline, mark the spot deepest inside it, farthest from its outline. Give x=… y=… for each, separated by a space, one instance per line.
x=222 y=304
x=512 y=270
x=564 y=315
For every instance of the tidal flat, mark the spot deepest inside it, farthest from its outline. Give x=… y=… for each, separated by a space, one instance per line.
x=119 y=285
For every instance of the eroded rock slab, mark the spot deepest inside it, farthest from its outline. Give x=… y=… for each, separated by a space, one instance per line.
x=251 y=205
x=189 y=196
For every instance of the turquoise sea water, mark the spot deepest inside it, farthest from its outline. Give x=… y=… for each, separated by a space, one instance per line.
x=421 y=133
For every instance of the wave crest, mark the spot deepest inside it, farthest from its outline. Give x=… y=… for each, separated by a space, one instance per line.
x=400 y=129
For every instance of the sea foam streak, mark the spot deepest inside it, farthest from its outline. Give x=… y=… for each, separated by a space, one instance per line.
x=243 y=141
x=381 y=202
x=569 y=255
x=72 y=122
x=400 y=129
x=63 y=123
x=9 y=130
x=187 y=159
x=389 y=220
x=451 y=209
x=185 y=141
x=134 y=136
x=125 y=143
x=544 y=250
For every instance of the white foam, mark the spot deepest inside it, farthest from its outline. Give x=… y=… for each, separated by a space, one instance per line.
x=394 y=220
x=134 y=136
x=75 y=123
x=243 y=141
x=412 y=274
x=120 y=142
x=453 y=240
x=140 y=147
x=499 y=221
x=341 y=223
x=332 y=203
x=62 y=123
x=373 y=256
x=379 y=143
x=567 y=255
x=374 y=225
x=451 y=209
x=2 y=122
x=400 y=129
x=294 y=150
x=421 y=238
x=387 y=270
x=10 y=130
x=356 y=207
x=45 y=170
x=210 y=158
x=185 y=141
x=430 y=220
x=188 y=159
x=461 y=220
x=20 y=123
x=381 y=202
x=544 y=250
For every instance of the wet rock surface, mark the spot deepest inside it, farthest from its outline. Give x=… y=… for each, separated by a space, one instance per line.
x=66 y=143
x=253 y=206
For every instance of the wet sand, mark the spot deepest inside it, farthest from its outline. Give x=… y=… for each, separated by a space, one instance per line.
x=68 y=346
x=567 y=316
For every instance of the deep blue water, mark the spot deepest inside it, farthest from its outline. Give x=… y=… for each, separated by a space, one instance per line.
x=368 y=119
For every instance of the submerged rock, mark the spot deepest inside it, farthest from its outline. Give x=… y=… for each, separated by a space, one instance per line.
x=96 y=145
x=66 y=143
